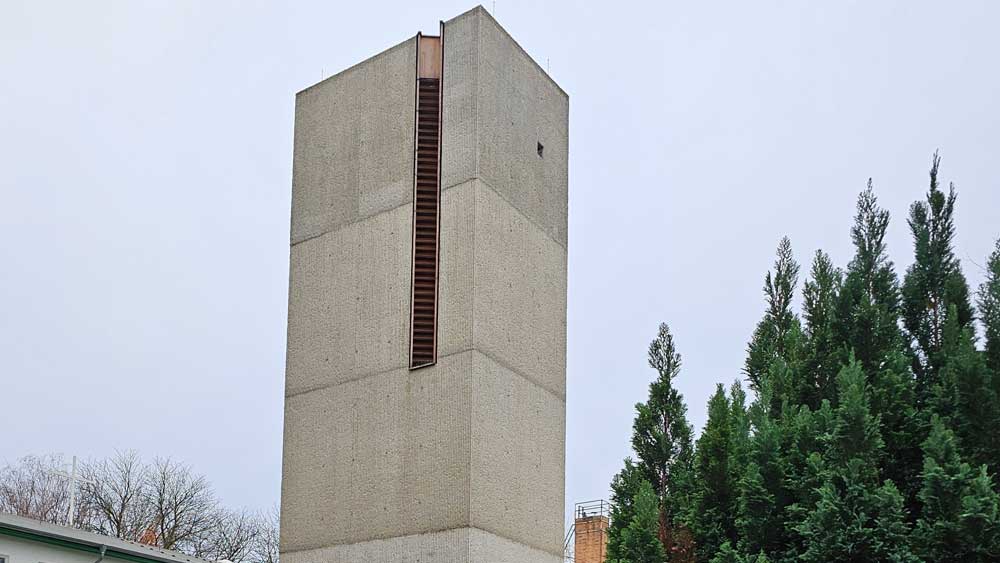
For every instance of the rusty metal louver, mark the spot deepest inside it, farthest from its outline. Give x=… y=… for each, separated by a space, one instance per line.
x=426 y=204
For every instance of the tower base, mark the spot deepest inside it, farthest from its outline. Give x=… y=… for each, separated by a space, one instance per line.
x=462 y=545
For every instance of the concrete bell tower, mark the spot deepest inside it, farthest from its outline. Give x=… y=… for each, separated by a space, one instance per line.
x=426 y=379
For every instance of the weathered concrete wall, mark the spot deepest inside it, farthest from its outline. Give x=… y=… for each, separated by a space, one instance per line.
x=462 y=545
x=498 y=100
x=354 y=143
x=462 y=461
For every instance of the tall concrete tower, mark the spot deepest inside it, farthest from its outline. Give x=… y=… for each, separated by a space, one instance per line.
x=426 y=379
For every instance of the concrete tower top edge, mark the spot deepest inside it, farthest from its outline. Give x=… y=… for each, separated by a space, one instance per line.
x=477 y=10
x=480 y=10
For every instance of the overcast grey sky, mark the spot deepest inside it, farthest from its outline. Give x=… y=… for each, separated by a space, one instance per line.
x=145 y=174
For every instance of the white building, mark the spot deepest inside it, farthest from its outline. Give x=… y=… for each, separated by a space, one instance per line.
x=23 y=540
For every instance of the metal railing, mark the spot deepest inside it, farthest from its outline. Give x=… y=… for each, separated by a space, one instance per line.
x=590 y=508
x=586 y=509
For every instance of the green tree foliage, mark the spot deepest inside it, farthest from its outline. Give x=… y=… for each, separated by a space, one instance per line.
x=868 y=322
x=715 y=494
x=873 y=431
x=960 y=520
x=761 y=486
x=934 y=282
x=662 y=439
x=639 y=541
x=965 y=395
x=823 y=355
x=739 y=420
x=773 y=338
x=869 y=299
x=855 y=518
x=624 y=488
x=989 y=312
x=727 y=554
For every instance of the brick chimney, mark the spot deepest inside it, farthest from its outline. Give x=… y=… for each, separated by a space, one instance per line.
x=591 y=535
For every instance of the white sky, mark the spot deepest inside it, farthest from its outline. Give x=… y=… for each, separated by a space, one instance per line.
x=145 y=175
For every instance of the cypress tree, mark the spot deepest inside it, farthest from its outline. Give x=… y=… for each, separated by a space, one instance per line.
x=762 y=494
x=740 y=419
x=771 y=339
x=806 y=433
x=868 y=326
x=832 y=460
x=965 y=395
x=989 y=312
x=933 y=283
x=855 y=518
x=624 y=488
x=823 y=355
x=893 y=400
x=662 y=440
x=960 y=521
x=869 y=300
x=713 y=522
x=639 y=539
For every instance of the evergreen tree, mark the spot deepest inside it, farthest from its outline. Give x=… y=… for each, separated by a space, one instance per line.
x=868 y=327
x=662 y=439
x=771 y=337
x=869 y=299
x=874 y=428
x=727 y=554
x=624 y=488
x=893 y=400
x=639 y=539
x=960 y=520
x=989 y=311
x=824 y=354
x=806 y=434
x=713 y=522
x=933 y=283
x=740 y=419
x=762 y=494
x=965 y=396
x=855 y=519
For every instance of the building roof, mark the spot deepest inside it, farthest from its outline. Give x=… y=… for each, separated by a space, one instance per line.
x=72 y=538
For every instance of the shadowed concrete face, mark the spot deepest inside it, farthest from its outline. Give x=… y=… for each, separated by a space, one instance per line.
x=462 y=460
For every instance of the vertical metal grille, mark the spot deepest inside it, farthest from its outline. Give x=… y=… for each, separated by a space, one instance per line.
x=426 y=209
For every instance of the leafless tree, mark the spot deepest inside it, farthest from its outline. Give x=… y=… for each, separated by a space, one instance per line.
x=184 y=507
x=116 y=495
x=32 y=489
x=266 y=544
x=231 y=537
x=163 y=504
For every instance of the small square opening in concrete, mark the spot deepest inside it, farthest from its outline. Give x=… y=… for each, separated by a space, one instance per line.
x=541 y=149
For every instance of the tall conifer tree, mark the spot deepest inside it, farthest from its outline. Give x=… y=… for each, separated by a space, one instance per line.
x=662 y=439
x=869 y=300
x=775 y=335
x=762 y=492
x=868 y=327
x=740 y=419
x=824 y=353
x=712 y=518
x=989 y=311
x=934 y=282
